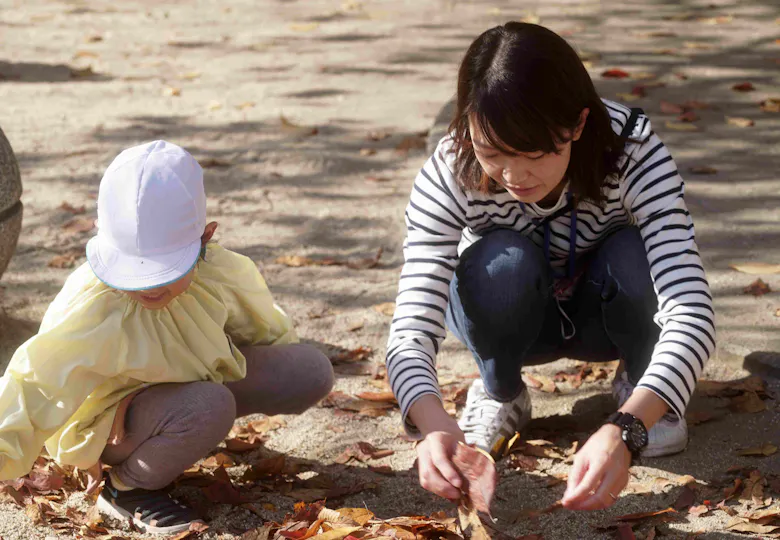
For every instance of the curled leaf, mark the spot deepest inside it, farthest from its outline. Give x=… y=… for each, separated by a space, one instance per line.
x=478 y=471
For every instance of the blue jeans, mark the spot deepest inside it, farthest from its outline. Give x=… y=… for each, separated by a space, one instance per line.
x=502 y=308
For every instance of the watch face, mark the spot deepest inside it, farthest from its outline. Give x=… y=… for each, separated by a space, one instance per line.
x=637 y=435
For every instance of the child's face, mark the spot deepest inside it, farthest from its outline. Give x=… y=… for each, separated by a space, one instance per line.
x=160 y=297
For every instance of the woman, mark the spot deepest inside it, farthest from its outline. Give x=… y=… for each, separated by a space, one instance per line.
x=549 y=223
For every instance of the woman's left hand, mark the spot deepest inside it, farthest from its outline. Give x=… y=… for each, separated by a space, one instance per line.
x=600 y=471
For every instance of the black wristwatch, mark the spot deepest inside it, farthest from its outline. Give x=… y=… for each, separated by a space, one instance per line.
x=634 y=431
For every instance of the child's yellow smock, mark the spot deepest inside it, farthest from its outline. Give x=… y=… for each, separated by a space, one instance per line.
x=96 y=346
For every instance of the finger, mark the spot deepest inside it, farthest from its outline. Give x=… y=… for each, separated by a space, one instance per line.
x=444 y=464
x=578 y=470
x=589 y=482
x=613 y=483
x=432 y=480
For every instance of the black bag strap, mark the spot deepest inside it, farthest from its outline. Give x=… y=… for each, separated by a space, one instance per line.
x=628 y=129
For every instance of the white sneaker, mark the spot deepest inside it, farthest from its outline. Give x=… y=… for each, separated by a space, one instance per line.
x=668 y=436
x=489 y=424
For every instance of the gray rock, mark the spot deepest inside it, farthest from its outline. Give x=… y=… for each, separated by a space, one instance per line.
x=10 y=203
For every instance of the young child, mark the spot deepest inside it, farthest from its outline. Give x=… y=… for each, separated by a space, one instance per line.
x=548 y=223
x=152 y=348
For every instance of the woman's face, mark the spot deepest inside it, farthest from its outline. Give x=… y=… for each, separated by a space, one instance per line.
x=528 y=177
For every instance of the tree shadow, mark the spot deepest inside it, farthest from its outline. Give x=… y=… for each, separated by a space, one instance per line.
x=31 y=72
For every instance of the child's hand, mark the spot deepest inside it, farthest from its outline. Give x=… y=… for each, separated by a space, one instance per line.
x=434 y=462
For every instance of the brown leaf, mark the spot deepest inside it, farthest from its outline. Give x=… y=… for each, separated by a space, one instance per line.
x=523 y=462
x=214 y=163
x=171 y=91
x=756 y=268
x=266 y=424
x=749 y=402
x=222 y=490
x=478 y=471
x=365 y=152
x=358 y=354
x=671 y=108
x=388 y=397
x=732 y=491
x=265 y=467
x=739 y=525
x=540 y=382
x=355 y=326
x=218 y=460
x=342 y=401
x=296 y=129
x=699 y=510
x=386 y=308
x=412 y=142
x=244 y=445
x=377 y=179
x=767 y=449
x=75 y=210
x=615 y=74
x=470 y=524
x=739 y=121
x=362 y=451
x=79 y=225
x=703 y=170
x=377 y=135
x=35 y=513
x=720 y=19
x=66 y=260
x=743 y=87
x=758 y=288
x=382 y=469
x=688 y=116
x=771 y=105
x=680 y=126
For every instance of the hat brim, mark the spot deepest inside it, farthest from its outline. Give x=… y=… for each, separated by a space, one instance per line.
x=130 y=273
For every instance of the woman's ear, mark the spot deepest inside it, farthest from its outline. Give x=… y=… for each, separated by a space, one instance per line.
x=581 y=124
x=208 y=232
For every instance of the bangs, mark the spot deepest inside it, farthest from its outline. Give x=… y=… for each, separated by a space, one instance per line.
x=512 y=128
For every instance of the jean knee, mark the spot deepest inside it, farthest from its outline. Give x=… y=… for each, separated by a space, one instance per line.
x=621 y=264
x=502 y=276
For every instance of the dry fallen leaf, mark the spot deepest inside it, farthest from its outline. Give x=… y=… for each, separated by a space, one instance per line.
x=743 y=87
x=212 y=163
x=478 y=471
x=471 y=525
x=688 y=116
x=365 y=152
x=698 y=105
x=703 y=170
x=171 y=91
x=739 y=121
x=75 y=210
x=66 y=260
x=297 y=129
x=412 y=142
x=767 y=449
x=771 y=105
x=671 y=108
x=741 y=525
x=699 y=510
x=758 y=288
x=540 y=382
x=79 y=225
x=624 y=96
x=685 y=499
x=644 y=515
x=386 y=308
x=615 y=74
x=756 y=268
x=749 y=402
x=362 y=451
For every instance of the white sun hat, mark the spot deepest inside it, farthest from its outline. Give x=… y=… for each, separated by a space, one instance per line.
x=151 y=216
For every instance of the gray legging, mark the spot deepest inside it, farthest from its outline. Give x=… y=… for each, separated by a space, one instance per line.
x=171 y=426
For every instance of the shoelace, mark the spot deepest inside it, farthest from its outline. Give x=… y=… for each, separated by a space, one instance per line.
x=481 y=409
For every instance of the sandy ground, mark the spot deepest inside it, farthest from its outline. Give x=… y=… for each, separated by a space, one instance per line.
x=216 y=78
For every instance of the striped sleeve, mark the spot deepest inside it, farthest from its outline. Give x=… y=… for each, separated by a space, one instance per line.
x=435 y=219
x=653 y=193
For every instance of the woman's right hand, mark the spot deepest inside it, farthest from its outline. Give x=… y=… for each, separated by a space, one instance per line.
x=434 y=461
x=441 y=435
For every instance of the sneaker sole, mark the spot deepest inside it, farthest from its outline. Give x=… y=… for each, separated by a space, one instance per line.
x=110 y=510
x=666 y=450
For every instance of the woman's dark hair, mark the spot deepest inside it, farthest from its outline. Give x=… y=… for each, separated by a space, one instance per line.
x=524 y=86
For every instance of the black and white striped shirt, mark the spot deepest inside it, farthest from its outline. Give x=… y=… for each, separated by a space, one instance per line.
x=442 y=220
